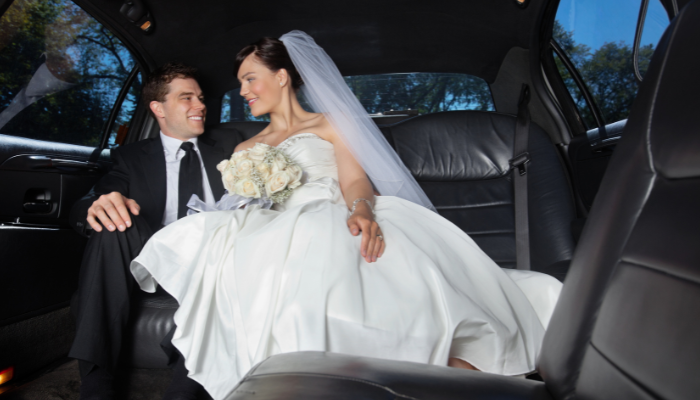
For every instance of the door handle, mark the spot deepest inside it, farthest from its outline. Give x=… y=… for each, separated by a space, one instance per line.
x=38 y=207
x=38 y=201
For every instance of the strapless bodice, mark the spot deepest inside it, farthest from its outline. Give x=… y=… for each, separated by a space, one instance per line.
x=316 y=157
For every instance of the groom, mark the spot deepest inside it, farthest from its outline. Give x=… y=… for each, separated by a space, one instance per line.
x=147 y=188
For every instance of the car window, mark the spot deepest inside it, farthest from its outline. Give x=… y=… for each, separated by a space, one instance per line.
x=61 y=73
x=597 y=36
x=385 y=94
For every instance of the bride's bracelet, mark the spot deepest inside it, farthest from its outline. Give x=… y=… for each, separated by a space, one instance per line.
x=354 y=204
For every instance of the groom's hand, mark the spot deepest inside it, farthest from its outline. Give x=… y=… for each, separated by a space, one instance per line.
x=112 y=210
x=372 y=247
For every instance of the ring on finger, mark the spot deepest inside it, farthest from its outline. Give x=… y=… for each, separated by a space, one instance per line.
x=380 y=237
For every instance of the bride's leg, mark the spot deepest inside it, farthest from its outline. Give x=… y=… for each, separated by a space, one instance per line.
x=459 y=363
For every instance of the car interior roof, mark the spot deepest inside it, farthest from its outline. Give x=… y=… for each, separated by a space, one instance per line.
x=362 y=37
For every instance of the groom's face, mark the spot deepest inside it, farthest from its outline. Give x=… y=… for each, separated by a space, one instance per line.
x=182 y=113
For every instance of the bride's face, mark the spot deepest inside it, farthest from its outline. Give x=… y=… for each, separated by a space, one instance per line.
x=261 y=87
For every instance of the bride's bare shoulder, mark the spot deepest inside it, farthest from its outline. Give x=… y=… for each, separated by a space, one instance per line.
x=320 y=126
x=247 y=144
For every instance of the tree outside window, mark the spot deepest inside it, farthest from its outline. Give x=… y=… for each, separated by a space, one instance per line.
x=61 y=72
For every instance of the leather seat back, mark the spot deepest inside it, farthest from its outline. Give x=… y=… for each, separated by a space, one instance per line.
x=461 y=160
x=626 y=325
x=242 y=130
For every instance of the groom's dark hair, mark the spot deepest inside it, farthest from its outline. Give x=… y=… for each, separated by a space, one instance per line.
x=272 y=53
x=157 y=84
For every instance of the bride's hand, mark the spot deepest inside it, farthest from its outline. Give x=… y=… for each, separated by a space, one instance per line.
x=362 y=220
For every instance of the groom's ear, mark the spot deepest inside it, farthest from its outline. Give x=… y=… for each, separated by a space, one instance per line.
x=157 y=108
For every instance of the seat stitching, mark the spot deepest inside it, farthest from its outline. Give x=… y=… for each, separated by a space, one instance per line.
x=624 y=373
x=344 y=378
x=657 y=84
x=466 y=206
x=485 y=233
x=659 y=271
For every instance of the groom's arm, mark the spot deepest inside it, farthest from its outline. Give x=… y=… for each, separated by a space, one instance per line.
x=117 y=180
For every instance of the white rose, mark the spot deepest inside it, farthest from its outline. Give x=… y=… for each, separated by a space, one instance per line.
x=229 y=180
x=263 y=170
x=223 y=165
x=244 y=167
x=295 y=174
x=247 y=188
x=257 y=153
x=276 y=182
x=238 y=155
x=294 y=185
x=279 y=163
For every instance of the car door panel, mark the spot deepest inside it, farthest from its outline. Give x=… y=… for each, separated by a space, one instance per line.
x=40 y=182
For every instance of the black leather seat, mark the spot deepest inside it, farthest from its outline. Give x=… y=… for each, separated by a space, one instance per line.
x=626 y=325
x=461 y=160
x=151 y=320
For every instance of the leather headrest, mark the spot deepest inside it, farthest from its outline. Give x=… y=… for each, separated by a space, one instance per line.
x=456 y=145
x=674 y=122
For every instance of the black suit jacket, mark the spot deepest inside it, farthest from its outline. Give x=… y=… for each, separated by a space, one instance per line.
x=138 y=173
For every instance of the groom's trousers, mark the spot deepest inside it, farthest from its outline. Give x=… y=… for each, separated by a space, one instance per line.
x=104 y=294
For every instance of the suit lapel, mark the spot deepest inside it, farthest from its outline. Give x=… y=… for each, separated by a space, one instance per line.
x=211 y=156
x=153 y=161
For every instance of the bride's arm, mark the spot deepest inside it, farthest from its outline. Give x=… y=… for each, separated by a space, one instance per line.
x=355 y=185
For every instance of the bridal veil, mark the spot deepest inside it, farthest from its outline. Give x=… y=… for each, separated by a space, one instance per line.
x=326 y=91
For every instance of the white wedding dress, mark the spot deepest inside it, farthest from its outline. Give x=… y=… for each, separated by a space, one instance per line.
x=252 y=283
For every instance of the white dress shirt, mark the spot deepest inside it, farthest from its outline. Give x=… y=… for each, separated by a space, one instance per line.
x=173 y=155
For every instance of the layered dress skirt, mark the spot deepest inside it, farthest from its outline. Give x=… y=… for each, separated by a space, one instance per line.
x=252 y=283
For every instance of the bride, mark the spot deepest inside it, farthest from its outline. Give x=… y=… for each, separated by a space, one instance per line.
x=336 y=268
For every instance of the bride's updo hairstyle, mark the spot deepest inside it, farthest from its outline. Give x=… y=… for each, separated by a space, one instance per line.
x=272 y=54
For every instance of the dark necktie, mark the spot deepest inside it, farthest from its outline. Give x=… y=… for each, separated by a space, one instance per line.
x=190 y=181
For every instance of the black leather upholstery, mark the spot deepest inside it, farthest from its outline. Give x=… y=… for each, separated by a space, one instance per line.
x=626 y=324
x=636 y=267
x=313 y=375
x=461 y=159
x=151 y=320
x=242 y=130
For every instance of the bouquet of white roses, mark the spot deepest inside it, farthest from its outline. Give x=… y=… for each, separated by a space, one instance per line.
x=261 y=172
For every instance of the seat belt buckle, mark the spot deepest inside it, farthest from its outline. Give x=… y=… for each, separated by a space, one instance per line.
x=520 y=162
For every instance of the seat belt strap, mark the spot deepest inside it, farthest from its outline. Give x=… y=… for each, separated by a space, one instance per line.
x=518 y=165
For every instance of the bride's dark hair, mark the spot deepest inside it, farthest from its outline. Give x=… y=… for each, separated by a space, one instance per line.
x=272 y=53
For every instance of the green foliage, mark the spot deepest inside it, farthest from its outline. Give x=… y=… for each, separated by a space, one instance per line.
x=76 y=49
x=425 y=92
x=608 y=73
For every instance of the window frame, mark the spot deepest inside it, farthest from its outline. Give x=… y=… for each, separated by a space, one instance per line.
x=590 y=102
x=123 y=92
x=558 y=88
x=140 y=114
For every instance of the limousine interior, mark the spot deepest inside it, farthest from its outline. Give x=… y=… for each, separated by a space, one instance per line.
x=600 y=190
